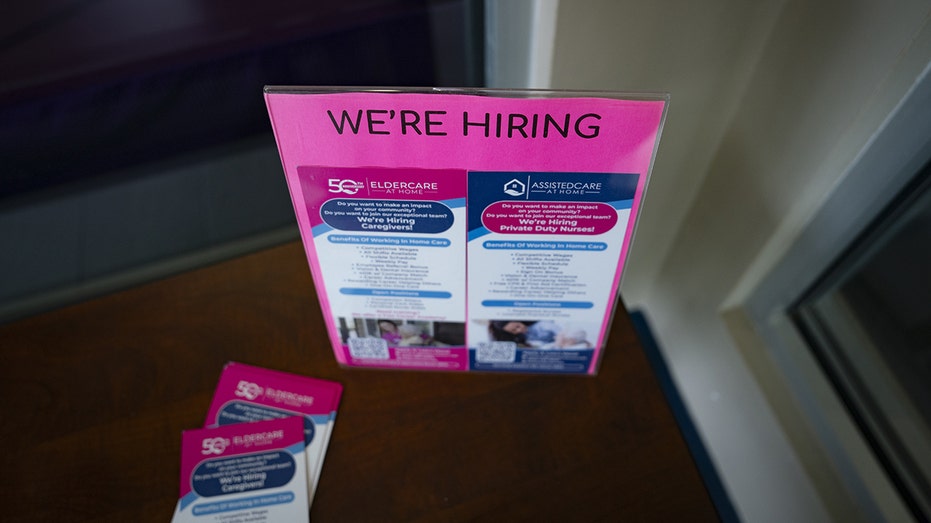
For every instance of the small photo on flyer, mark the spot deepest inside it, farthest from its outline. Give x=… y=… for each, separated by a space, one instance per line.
x=404 y=333
x=537 y=334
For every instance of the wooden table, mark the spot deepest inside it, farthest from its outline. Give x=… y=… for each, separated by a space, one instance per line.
x=95 y=397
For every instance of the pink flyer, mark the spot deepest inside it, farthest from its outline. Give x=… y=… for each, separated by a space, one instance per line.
x=246 y=472
x=247 y=394
x=466 y=230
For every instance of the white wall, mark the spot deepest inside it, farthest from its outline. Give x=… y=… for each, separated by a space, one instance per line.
x=702 y=53
x=770 y=102
x=519 y=39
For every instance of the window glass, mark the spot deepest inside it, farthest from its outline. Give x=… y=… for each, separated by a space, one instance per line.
x=869 y=322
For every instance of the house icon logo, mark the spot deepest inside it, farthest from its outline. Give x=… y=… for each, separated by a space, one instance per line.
x=515 y=188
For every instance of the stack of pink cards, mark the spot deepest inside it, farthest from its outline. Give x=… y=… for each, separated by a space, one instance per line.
x=261 y=453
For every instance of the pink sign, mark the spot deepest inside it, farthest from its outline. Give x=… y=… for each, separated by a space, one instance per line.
x=474 y=230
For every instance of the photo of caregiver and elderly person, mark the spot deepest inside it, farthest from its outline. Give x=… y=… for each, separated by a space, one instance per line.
x=540 y=334
x=404 y=333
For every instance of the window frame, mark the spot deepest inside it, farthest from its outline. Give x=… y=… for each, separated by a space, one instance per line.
x=894 y=155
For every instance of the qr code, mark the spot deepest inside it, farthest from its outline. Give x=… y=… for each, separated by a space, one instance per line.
x=496 y=352
x=371 y=348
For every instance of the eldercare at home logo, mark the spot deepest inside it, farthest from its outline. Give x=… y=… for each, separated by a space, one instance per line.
x=344 y=186
x=248 y=390
x=214 y=445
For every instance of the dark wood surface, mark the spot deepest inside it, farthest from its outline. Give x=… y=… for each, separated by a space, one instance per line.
x=95 y=397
